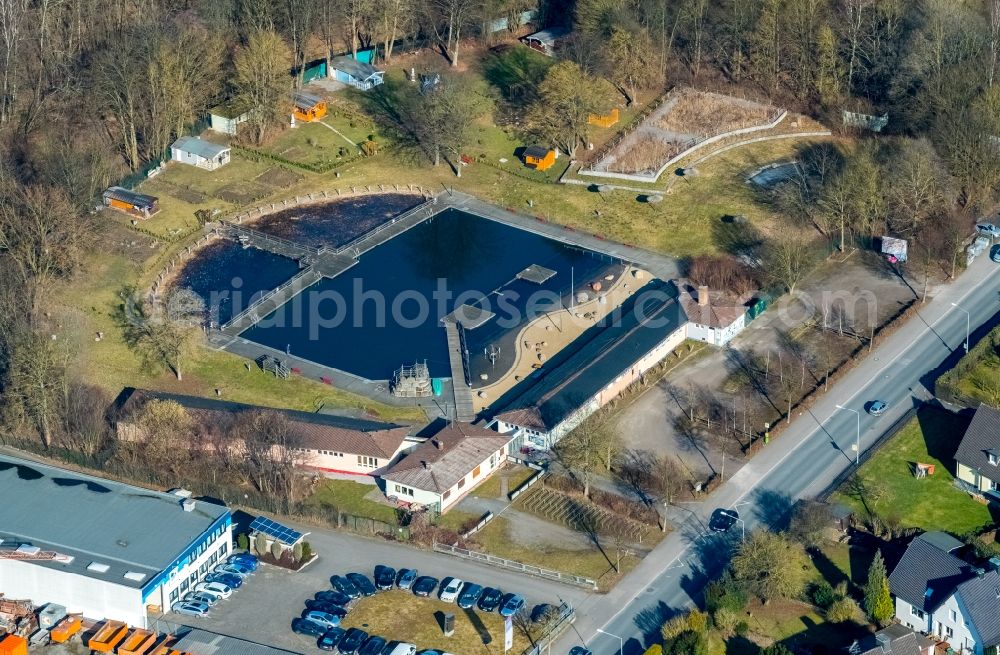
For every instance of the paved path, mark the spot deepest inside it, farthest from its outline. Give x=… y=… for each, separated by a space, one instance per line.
x=800 y=463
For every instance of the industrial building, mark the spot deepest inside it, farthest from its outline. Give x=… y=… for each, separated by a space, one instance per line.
x=102 y=548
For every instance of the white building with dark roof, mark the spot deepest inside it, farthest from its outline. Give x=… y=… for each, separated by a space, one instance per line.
x=198 y=152
x=451 y=463
x=99 y=547
x=978 y=455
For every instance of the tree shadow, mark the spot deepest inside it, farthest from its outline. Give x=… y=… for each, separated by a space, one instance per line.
x=740 y=239
x=651 y=619
x=942 y=431
x=516 y=72
x=773 y=509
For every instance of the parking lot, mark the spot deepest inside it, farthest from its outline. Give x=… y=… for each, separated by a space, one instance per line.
x=263 y=609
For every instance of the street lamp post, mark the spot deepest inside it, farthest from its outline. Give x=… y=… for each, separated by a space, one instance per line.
x=968 y=319
x=621 y=642
x=743 y=530
x=857 y=447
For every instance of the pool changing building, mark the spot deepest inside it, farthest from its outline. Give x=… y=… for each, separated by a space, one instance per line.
x=102 y=548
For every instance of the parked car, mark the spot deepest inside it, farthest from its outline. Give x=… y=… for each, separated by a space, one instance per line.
x=229 y=579
x=449 y=589
x=989 y=229
x=190 y=608
x=215 y=588
x=334 y=597
x=373 y=646
x=352 y=641
x=329 y=608
x=232 y=569
x=246 y=559
x=345 y=586
x=385 y=577
x=201 y=597
x=403 y=648
x=490 y=600
x=995 y=253
x=722 y=519
x=310 y=628
x=580 y=650
x=406 y=578
x=425 y=585
x=469 y=595
x=877 y=407
x=330 y=639
x=363 y=583
x=512 y=604
x=241 y=566
x=323 y=618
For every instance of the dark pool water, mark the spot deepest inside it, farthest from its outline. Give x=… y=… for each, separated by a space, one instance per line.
x=337 y=222
x=349 y=322
x=226 y=275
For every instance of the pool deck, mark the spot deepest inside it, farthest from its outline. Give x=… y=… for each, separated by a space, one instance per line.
x=456 y=401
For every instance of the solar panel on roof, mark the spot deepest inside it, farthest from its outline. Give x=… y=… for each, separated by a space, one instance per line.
x=275 y=530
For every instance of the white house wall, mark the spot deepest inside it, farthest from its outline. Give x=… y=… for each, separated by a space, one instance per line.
x=486 y=468
x=216 y=549
x=949 y=615
x=92 y=597
x=333 y=461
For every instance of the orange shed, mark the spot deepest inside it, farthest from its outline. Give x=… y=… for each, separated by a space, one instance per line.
x=307 y=107
x=605 y=120
x=66 y=628
x=13 y=645
x=109 y=635
x=539 y=158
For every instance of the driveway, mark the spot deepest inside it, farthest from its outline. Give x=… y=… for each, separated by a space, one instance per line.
x=263 y=609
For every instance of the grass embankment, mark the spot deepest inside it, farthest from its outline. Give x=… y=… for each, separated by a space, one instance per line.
x=976 y=377
x=892 y=492
x=401 y=616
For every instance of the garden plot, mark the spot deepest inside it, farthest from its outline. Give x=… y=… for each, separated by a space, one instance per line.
x=686 y=119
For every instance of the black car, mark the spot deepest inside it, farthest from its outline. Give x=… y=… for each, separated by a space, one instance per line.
x=307 y=627
x=352 y=641
x=543 y=612
x=469 y=595
x=345 y=586
x=490 y=600
x=723 y=519
x=406 y=578
x=329 y=608
x=363 y=583
x=373 y=646
x=334 y=597
x=385 y=576
x=330 y=639
x=425 y=585
x=580 y=650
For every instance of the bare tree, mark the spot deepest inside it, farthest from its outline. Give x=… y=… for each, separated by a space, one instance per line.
x=588 y=448
x=269 y=443
x=163 y=333
x=262 y=81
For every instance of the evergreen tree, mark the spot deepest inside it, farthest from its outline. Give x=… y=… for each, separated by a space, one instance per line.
x=878 y=603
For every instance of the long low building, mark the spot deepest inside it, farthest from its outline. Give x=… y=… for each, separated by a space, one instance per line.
x=102 y=548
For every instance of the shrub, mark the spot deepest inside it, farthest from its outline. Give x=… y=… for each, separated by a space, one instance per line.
x=843 y=610
x=725 y=619
x=276 y=550
x=689 y=643
x=242 y=541
x=674 y=627
x=822 y=594
x=697 y=621
x=725 y=593
x=297 y=552
x=742 y=629
x=260 y=544
x=655 y=649
x=307 y=551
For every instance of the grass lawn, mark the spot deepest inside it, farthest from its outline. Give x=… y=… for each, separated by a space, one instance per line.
x=401 y=616
x=496 y=539
x=313 y=144
x=349 y=498
x=932 y=503
x=515 y=474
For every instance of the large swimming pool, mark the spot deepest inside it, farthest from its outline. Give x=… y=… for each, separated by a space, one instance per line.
x=386 y=310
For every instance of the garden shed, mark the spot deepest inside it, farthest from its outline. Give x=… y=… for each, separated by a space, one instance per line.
x=137 y=204
x=307 y=107
x=314 y=71
x=198 y=152
x=546 y=41
x=539 y=158
x=226 y=117
x=359 y=74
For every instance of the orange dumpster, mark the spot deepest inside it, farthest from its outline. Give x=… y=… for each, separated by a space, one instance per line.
x=163 y=645
x=13 y=645
x=137 y=642
x=69 y=626
x=110 y=634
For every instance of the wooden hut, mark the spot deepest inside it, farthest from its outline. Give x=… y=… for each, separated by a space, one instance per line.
x=539 y=158
x=226 y=118
x=130 y=202
x=307 y=107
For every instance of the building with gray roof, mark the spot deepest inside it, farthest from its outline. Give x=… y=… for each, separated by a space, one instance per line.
x=978 y=455
x=199 y=152
x=99 y=547
x=939 y=593
x=203 y=642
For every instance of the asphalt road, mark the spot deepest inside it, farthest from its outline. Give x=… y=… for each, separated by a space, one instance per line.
x=814 y=449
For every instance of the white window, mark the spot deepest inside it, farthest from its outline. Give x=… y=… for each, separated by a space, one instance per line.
x=992 y=457
x=367 y=462
x=954 y=616
x=915 y=612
